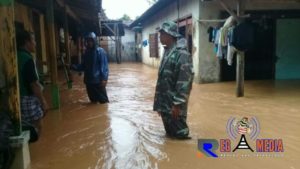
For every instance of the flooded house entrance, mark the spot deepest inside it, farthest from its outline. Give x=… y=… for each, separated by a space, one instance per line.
x=275 y=54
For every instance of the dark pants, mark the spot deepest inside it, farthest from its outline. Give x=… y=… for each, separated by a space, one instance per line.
x=175 y=128
x=97 y=93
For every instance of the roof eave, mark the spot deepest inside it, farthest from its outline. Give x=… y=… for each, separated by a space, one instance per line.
x=152 y=10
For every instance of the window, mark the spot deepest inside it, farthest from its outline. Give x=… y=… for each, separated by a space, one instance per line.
x=153 y=43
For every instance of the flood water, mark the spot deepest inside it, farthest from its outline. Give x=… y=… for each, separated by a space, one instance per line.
x=127 y=134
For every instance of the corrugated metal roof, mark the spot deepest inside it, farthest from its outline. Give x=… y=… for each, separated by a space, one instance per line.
x=82 y=12
x=159 y=5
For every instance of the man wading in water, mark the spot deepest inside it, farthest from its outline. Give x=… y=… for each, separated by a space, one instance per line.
x=174 y=82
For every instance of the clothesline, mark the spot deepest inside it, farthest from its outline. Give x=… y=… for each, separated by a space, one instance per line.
x=211 y=20
x=221 y=20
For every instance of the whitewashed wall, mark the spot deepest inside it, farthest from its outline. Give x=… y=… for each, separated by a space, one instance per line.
x=187 y=7
x=206 y=65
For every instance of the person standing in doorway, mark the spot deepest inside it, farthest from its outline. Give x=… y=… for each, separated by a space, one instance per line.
x=95 y=67
x=174 y=83
x=33 y=103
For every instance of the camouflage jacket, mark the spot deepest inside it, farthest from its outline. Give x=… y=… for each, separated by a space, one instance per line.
x=175 y=78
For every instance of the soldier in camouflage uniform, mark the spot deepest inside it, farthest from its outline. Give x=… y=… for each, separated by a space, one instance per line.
x=174 y=82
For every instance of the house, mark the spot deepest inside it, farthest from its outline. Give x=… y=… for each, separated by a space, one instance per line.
x=56 y=24
x=127 y=44
x=277 y=34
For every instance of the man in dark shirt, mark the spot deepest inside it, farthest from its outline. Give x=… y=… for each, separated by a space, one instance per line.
x=33 y=103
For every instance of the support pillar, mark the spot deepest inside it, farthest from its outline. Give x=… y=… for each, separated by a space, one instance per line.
x=240 y=72
x=67 y=48
x=10 y=96
x=240 y=66
x=52 y=42
x=9 y=66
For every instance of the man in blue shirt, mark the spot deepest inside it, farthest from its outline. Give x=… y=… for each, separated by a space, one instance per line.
x=95 y=67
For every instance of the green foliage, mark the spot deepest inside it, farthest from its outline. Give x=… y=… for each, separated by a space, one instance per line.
x=125 y=17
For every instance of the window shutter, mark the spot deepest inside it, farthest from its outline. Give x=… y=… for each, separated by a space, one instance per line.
x=153 y=42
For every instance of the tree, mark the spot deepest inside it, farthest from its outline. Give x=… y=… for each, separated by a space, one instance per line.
x=125 y=17
x=151 y=2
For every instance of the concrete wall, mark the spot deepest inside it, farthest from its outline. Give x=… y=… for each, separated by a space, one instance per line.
x=111 y=50
x=288 y=51
x=128 y=46
x=187 y=7
x=206 y=65
x=209 y=67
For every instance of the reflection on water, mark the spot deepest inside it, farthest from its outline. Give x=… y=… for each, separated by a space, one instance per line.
x=127 y=134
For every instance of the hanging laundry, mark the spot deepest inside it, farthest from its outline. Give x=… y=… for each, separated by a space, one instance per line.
x=243 y=36
x=231 y=49
x=230 y=54
x=229 y=22
x=210 y=32
x=214 y=34
x=218 y=46
x=223 y=36
x=145 y=43
x=222 y=42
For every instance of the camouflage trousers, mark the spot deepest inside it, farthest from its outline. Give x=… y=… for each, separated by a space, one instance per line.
x=175 y=128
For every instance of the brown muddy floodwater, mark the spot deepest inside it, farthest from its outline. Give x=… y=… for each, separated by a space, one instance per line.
x=127 y=134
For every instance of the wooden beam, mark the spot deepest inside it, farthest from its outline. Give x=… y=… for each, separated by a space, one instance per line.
x=67 y=49
x=112 y=31
x=52 y=52
x=79 y=49
x=61 y=3
x=43 y=44
x=8 y=53
x=66 y=36
x=240 y=74
x=225 y=6
x=51 y=31
x=240 y=69
x=211 y=20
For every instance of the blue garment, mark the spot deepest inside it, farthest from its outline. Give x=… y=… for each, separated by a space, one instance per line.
x=145 y=43
x=94 y=65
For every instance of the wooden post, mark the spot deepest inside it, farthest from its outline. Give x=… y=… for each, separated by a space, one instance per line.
x=240 y=66
x=79 y=49
x=67 y=48
x=66 y=35
x=51 y=31
x=240 y=74
x=43 y=44
x=120 y=47
x=116 y=42
x=82 y=47
x=8 y=57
